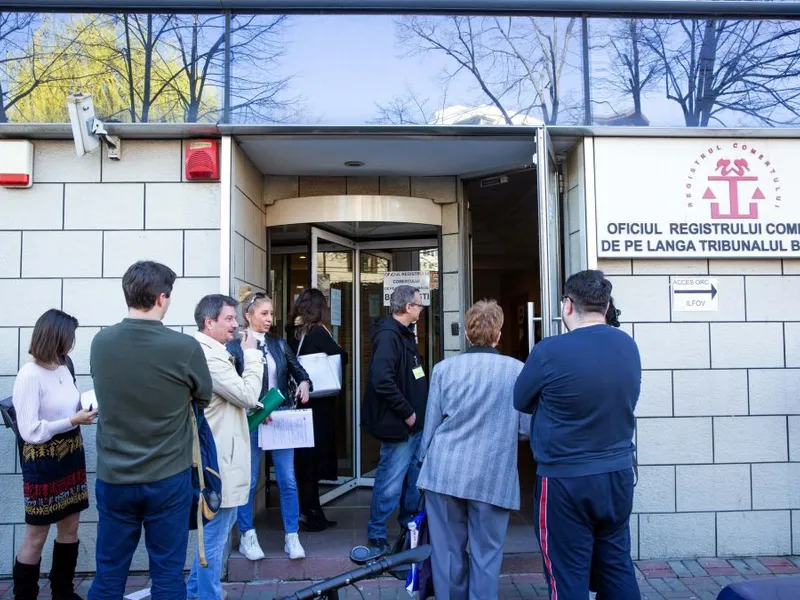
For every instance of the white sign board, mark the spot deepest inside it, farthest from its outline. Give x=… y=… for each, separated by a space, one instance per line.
x=697 y=198
x=336 y=307
x=417 y=279
x=694 y=294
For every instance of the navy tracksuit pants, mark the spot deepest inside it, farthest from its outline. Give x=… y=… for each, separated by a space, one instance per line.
x=582 y=526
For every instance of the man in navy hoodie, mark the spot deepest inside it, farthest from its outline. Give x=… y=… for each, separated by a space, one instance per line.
x=583 y=387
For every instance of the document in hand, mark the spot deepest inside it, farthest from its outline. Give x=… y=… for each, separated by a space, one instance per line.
x=288 y=429
x=88 y=400
x=271 y=400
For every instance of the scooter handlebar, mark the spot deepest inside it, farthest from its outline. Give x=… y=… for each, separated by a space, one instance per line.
x=381 y=565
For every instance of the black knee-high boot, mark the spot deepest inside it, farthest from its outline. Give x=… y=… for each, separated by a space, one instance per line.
x=62 y=573
x=26 y=581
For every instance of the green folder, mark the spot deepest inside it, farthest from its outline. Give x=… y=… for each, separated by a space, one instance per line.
x=271 y=400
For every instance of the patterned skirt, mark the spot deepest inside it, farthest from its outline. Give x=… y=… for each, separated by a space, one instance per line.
x=54 y=478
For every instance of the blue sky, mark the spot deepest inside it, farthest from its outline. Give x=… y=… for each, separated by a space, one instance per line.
x=343 y=64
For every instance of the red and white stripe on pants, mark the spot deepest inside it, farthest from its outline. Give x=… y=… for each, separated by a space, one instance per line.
x=543 y=539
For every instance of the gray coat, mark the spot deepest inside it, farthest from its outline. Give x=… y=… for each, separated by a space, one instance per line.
x=469 y=445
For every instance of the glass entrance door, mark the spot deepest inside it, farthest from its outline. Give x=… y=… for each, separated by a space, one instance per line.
x=351 y=276
x=378 y=259
x=549 y=234
x=333 y=271
x=514 y=246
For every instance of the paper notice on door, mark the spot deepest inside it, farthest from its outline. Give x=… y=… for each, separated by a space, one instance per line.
x=336 y=307
x=288 y=429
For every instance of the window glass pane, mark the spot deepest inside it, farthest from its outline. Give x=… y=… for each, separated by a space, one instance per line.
x=262 y=78
x=138 y=68
x=406 y=70
x=695 y=72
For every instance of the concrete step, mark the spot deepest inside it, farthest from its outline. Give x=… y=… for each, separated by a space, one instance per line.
x=323 y=567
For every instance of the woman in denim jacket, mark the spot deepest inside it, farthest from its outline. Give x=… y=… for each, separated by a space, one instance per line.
x=279 y=364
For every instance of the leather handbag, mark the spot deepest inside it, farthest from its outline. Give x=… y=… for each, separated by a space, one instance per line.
x=325 y=371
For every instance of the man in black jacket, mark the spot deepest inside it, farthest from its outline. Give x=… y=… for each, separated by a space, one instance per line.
x=394 y=411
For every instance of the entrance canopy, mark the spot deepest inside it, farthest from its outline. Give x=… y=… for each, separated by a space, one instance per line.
x=386 y=155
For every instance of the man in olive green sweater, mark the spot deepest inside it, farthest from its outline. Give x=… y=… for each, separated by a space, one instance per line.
x=145 y=376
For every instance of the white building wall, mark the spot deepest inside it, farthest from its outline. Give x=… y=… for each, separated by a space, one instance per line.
x=718 y=419
x=574 y=205
x=65 y=243
x=248 y=225
x=718 y=430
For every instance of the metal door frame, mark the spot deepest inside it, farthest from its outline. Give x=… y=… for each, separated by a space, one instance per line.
x=344 y=484
x=550 y=226
x=372 y=247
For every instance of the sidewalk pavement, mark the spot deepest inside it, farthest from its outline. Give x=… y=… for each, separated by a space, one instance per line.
x=700 y=579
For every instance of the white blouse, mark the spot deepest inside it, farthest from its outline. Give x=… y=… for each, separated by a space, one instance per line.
x=272 y=368
x=44 y=401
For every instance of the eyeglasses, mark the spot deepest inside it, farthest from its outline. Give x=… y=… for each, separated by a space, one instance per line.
x=415 y=304
x=566 y=297
x=256 y=297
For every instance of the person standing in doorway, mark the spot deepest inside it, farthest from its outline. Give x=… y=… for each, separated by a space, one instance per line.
x=280 y=365
x=307 y=334
x=394 y=412
x=583 y=387
x=49 y=414
x=215 y=316
x=145 y=377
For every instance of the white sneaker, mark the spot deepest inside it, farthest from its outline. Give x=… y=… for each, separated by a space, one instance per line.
x=248 y=546
x=293 y=547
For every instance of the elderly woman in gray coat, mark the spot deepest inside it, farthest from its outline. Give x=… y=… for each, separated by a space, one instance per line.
x=469 y=453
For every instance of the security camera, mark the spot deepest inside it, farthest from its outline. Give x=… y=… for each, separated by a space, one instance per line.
x=87 y=129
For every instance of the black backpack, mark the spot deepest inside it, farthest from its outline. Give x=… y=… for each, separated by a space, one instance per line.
x=10 y=415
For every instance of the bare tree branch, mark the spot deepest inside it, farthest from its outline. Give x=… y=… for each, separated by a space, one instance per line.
x=517 y=64
x=711 y=67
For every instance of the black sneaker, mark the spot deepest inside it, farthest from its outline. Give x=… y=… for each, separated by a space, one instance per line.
x=381 y=546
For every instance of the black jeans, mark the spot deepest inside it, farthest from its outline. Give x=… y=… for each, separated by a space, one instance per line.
x=307 y=487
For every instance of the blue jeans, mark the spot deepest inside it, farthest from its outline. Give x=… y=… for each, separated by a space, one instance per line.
x=395 y=483
x=204 y=583
x=283 y=461
x=162 y=507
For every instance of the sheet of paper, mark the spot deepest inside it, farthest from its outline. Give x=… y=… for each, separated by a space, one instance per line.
x=88 y=399
x=336 y=307
x=288 y=429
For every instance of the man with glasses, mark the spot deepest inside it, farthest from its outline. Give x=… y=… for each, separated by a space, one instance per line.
x=394 y=410
x=583 y=387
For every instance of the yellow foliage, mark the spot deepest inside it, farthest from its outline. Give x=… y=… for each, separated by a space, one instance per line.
x=90 y=54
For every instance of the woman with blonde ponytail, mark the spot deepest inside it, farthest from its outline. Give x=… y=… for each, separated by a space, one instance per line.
x=280 y=363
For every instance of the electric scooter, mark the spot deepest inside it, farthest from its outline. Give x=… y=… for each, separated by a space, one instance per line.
x=329 y=588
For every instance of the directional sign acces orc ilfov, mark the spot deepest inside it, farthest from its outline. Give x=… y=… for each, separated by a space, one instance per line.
x=694 y=294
